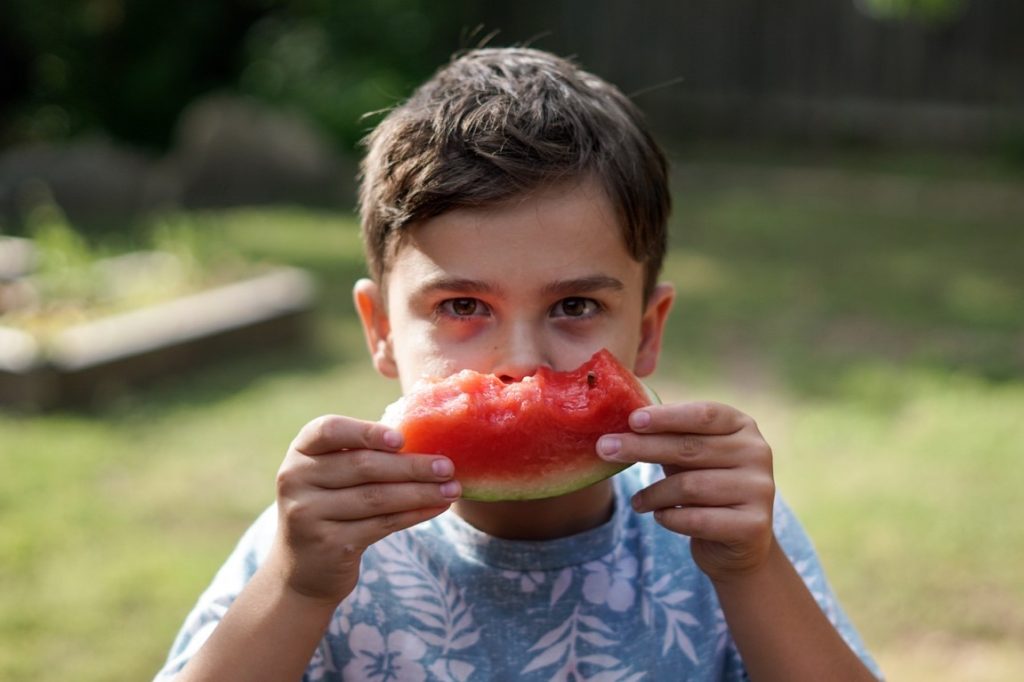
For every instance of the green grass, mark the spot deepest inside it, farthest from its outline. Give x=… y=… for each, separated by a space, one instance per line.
x=878 y=344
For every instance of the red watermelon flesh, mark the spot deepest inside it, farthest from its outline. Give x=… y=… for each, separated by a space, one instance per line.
x=529 y=439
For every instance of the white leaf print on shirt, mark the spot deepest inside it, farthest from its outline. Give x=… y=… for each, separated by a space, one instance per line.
x=563 y=644
x=562 y=583
x=659 y=601
x=432 y=599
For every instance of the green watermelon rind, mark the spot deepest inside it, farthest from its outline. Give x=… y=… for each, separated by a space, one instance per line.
x=654 y=397
x=481 y=491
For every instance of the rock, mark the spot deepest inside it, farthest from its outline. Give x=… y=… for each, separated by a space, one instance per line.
x=228 y=151
x=235 y=151
x=92 y=180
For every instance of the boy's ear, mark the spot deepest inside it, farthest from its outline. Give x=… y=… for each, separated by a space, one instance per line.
x=376 y=326
x=652 y=328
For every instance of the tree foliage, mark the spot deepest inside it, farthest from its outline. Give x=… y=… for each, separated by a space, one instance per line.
x=129 y=67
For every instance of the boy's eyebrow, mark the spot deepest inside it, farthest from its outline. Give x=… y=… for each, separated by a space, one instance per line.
x=454 y=284
x=562 y=287
x=583 y=285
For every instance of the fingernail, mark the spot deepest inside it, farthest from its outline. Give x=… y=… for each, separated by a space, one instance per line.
x=392 y=439
x=635 y=501
x=640 y=419
x=442 y=467
x=451 y=489
x=608 y=446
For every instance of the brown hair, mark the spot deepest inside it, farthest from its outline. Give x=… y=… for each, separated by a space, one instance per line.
x=498 y=122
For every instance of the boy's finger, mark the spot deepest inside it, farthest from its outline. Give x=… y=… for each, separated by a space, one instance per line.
x=386 y=499
x=688 y=451
x=336 y=470
x=717 y=524
x=368 y=531
x=705 y=417
x=705 y=488
x=332 y=432
x=685 y=450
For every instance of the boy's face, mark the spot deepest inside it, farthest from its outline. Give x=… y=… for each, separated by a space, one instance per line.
x=542 y=280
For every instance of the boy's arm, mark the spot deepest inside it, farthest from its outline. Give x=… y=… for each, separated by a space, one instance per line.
x=269 y=633
x=341 y=488
x=779 y=629
x=719 y=490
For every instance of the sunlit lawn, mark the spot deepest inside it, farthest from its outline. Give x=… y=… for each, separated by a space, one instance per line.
x=877 y=339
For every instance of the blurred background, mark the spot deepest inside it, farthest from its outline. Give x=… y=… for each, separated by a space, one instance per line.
x=848 y=237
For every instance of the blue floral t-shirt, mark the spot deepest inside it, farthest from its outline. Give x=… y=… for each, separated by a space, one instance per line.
x=443 y=601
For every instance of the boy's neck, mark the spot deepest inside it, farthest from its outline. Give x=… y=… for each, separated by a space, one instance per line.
x=546 y=519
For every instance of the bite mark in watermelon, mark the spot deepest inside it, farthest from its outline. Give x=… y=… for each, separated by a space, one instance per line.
x=525 y=440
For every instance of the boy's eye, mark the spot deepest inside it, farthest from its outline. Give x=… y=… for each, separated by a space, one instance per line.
x=575 y=307
x=463 y=307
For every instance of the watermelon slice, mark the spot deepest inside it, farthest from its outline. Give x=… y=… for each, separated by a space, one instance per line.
x=525 y=440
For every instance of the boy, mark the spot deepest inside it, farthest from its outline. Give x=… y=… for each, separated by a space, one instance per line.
x=514 y=212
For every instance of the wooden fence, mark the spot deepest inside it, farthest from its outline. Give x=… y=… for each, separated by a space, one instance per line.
x=794 y=68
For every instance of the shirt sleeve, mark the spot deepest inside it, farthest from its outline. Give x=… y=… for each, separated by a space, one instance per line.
x=798 y=547
x=213 y=603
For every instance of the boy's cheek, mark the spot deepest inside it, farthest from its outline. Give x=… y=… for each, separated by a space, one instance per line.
x=417 y=361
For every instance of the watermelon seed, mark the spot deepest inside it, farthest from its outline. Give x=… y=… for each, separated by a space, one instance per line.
x=591 y=379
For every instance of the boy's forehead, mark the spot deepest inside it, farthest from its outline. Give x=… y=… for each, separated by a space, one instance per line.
x=570 y=229
x=579 y=203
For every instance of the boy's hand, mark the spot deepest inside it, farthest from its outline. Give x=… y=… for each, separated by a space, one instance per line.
x=718 y=485
x=341 y=488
